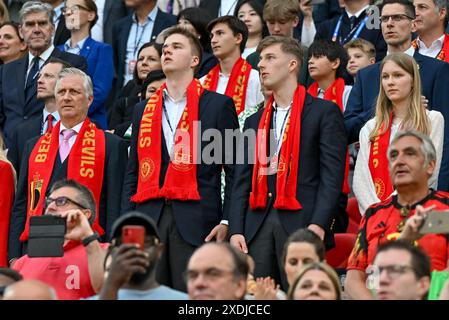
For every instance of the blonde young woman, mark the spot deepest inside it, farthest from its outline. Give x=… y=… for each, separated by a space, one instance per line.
x=7 y=186
x=399 y=107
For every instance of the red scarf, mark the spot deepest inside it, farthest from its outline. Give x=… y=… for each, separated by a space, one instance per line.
x=237 y=84
x=378 y=163
x=287 y=165
x=335 y=94
x=85 y=165
x=444 y=53
x=180 y=180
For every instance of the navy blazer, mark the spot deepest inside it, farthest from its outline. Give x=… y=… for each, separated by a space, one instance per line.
x=100 y=67
x=194 y=219
x=13 y=107
x=362 y=100
x=113 y=11
x=114 y=170
x=320 y=174
x=121 y=32
x=326 y=29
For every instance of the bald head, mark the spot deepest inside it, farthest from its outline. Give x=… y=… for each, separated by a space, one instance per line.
x=29 y=290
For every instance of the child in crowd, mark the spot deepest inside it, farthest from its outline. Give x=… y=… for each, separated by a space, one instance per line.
x=361 y=53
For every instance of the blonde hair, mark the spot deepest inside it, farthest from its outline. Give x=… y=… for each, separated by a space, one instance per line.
x=5 y=159
x=4 y=12
x=416 y=118
x=321 y=266
x=365 y=46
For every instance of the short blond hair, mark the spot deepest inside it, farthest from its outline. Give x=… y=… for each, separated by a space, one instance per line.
x=281 y=10
x=288 y=45
x=365 y=46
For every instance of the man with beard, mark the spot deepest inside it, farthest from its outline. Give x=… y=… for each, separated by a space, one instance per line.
x=131 y=271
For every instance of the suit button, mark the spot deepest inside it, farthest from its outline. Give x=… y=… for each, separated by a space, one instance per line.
x=270 y=195
x=25 y=117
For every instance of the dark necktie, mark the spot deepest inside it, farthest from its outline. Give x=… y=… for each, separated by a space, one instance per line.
x=352 y=20
x=33 y=72
x=49 y=123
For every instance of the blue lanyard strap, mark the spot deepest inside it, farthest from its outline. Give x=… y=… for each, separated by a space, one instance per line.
x=137 y=42
x=356 y=30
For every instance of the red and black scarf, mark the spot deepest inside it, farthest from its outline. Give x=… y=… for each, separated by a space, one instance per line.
x=237 y=84
x=288 y=160
x=85 y=165
x=180 y=180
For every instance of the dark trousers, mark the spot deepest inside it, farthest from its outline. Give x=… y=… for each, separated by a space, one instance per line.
x=266 y=249
x=176 y=254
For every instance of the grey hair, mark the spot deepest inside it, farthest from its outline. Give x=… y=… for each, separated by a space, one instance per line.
x=427 y=148
x=36 y=7
x=87 y=81
x=442 y=4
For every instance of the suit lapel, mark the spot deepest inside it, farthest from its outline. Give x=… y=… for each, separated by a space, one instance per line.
x=87 y=46
x=21 y=76
x=107 y=10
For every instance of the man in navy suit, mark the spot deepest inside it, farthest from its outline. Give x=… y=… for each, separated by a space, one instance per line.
x=92 y=157
x=18 y=102
x=131 y=32
x=300 y=185
x=397 y=26
x=196 y=215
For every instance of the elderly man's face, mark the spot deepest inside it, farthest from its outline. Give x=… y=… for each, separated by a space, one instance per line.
x=72 y=100
x=210 y=275
x=37 y=31
x=407 y=163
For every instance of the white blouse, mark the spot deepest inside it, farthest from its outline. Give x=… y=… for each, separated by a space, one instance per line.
x=363 y=186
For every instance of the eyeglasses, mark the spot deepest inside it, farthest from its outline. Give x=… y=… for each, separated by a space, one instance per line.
x=395 y=18
x=62 y=201
x=395 y=270
x=73 y=9
x=209 y=274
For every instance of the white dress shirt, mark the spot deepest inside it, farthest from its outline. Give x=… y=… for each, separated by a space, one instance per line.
x=97 y=30
x=282 y=116
x=174 y=111
x=434 y=48
x=254 y=94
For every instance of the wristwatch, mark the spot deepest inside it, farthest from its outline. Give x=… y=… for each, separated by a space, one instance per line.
x=87 y=240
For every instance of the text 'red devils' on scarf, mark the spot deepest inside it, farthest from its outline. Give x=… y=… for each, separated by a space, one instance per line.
x=180 y=180
x=288 y=160
x=85 y=165
x=335 y=94
x=237 y=84
x=378 y=163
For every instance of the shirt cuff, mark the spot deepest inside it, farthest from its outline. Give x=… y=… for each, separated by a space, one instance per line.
x=225 y=222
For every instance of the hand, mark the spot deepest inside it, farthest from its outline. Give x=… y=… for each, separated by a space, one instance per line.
x=127 y=260
x=78 y=226
x=219 y=233
x=424 y=102
x=266 y=289
x=318 y=230
x=306 y=8
x=411 y=228
x=110 y=131
x=238 y=241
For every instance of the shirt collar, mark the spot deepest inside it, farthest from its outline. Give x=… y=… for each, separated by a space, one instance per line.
x=438 y=42
x=55 y=115
x=44 y=56
x=167 y=96
x=76 y=128
x=282 y=109
x=151 y=16
x=79 y=45
x=358 y=13
x=410 y=51
x=58 y=11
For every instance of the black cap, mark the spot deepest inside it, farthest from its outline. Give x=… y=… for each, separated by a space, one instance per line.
x=135 y=218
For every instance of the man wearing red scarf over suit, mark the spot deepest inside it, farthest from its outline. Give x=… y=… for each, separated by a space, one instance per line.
x=74 y=149
x=431 y=20
x=299 y=184
x=233 y=76
x=169 y=177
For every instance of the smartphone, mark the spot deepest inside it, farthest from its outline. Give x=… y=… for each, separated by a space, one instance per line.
x=436 y=222
x=134 y=234
x=46 y=236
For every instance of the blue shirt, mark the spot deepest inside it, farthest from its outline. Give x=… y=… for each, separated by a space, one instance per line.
x=76 y=49
x=138 y=36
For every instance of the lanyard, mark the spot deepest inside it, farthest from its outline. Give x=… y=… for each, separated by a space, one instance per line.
x=276 y=138
x=357 y=29
x=137 y=42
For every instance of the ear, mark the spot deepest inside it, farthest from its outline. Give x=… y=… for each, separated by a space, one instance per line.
x=423 y=286
x=91 y=16
x=295 y=22
x=241 y=288
x=335 y=64
x=21 y=32
x=413 y=26
x=372 y=60
x=292 y=65
x=195 y=62
x=90 y=100
x=442 y=13
x=430 y=168
x=238 y=39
